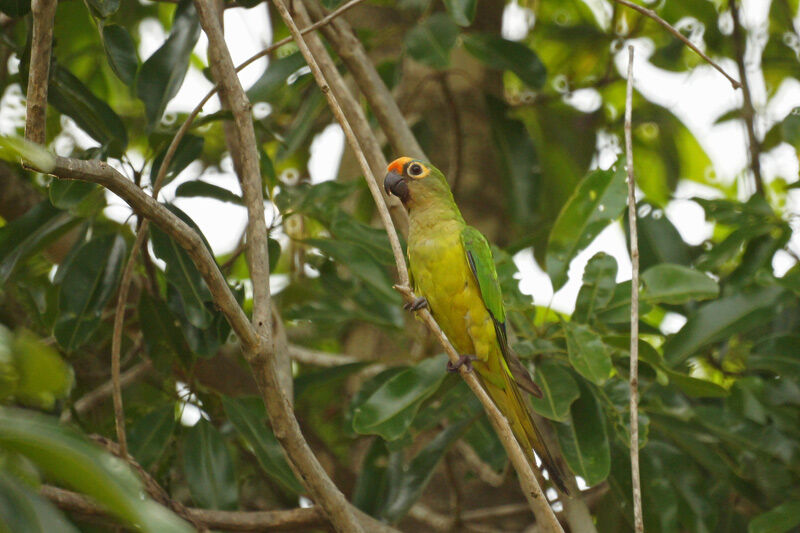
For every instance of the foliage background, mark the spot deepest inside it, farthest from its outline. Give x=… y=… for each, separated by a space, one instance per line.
x=520 y=128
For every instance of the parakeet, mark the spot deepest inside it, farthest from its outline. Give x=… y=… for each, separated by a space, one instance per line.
x=454 y=274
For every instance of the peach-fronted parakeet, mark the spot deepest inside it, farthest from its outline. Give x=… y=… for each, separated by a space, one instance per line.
x=454 y=274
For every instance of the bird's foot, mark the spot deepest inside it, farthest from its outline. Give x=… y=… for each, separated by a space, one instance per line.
x=416 y=305
x=464 y=360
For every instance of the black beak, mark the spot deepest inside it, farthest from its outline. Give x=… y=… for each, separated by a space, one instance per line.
x=394 y=184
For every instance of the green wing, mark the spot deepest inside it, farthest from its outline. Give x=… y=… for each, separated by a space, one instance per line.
x=479 y=257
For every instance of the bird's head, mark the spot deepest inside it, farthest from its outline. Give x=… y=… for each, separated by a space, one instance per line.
x=414 y=181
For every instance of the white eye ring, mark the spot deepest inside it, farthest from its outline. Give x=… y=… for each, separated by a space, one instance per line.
x=415 y=169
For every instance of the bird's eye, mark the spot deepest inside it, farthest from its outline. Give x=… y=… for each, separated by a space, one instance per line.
x=415 y=169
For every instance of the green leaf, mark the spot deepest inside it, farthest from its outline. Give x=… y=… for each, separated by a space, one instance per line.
x=559 y=390
x=390 y=410
x=15 y=8
x=29 y=234
x=104 y=8
x=149 y=435
x=21 y=509
x=161 y=333
x=43 y=376
x=519 y=164
x=659 y=241
x=266 y=88
x=408 y=489
x=249 y=417
x=599 y=282
x=208 y=466
x=19 y=150
x=777 y=520
x=779 y=355
x=722 y=318
x=183 y=275
x=370 y=492
x=676 y=284
x=461 y=11
x=587 y=353
x=120 y=52
x=89 y=281
x=483 y=440
x=599 y=199
x=189 y=148
x=79 y=197
x=162 y=73
x=583 y=439
x=618 y=310
x=67 y=457
x=498 y=53
x=430 y=41
x=71 y=97
x=191 y=189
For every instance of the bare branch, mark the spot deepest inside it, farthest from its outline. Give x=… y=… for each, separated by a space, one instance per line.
x=748 y=110
x=44 y=12
x=89 y=400
x=649 y=13
x=307 y=356
x=634 y=371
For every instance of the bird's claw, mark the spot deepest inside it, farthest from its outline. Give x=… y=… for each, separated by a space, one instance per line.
x=416 y=305
x=463 y=360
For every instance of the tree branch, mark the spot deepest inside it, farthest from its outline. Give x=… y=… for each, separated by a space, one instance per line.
x=89 y=400
x=649 y=13
x=307 y=356
x=748 y=110
x=634 y=371
x=44 y=12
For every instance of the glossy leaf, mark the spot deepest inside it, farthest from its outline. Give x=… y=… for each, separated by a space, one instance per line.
x=559 y=390
x=67 y=457
x=42 y=375
x=249 y=417
x=599 y=199
x=149 y=435
x=369 y=494
x=208 y=466
x=721 y=318
x=188 y=150
x=784 y=517
x=676 y=284
x=462 y=11
x=21 y=509
x=431 y=40
x=79 y=197
x=266 y=88
x=89 y=281
x=162 y=74
x=120 y=52
x=659 y=240
x=29 y=234
x=203 y=189
x=498 y=53
x=390 y=410
x=618 y=309
x=583 y=439
x=587 y=353
x=599 y=282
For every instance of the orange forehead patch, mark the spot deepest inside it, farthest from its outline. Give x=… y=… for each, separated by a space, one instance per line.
x=398 y=164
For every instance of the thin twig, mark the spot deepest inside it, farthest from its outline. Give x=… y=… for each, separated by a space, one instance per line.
x=307 y=356
x=97 y=395
x=634 y=371
x=533 y=492
x=44 y=12
x=652 y=15
x=748 y=110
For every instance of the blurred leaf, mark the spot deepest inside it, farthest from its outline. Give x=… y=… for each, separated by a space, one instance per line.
x=317 y=378
x=66 y=456
x=148 y=437
x=779 y=355
x=676 y=284
x=599 y=281
x=587 y=353
x=618 y=310
x=17 y=150
x=191 y=189
x=599 y=199
x=104 y=8
x=274 y=78
x=80 y=197
x=430 y=41
x=408 y=489
x=498 y=53
x=659 y=241
x=374 y=241
x=370 y=492
x=43 y=376
x=70 y=96
x=777 y=520
x=29 y=234
x=162 y=74
x=722 y=318
x=22 y=510
x=518 y=162
x=15 y=8
x=390 y=410
x=120 y=52
x=481 y=437
x=461 y=11
x=89 y=281
x=208 y=466
x=249 y=417
x=161 y=333
x=559 y=390
x=189 y=149
x=584 y=441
